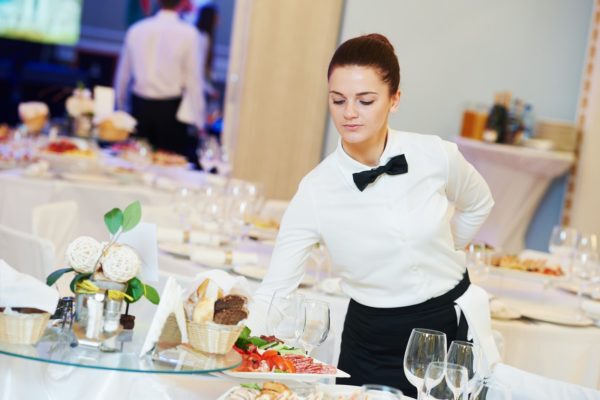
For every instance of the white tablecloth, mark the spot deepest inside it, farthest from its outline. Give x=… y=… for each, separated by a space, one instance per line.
x=518 y=178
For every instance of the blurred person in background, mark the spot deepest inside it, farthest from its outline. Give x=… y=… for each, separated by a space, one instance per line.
x=163 y=60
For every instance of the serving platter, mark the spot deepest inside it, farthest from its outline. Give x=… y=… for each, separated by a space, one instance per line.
x=282 y=376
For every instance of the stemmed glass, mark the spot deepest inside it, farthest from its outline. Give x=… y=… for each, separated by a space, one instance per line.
x=285 y=316
x=585 y=260
x=379 y=392
x=477 y=259
x=424 y=347
x=316 y=324
x=468 y=355
x=562 y=245
x=488 y=390
x=444 y=381
x=183 y=205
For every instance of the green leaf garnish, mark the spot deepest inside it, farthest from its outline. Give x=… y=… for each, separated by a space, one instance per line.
x=132 y=216
x=251 y=386
x=151 y=294
x=113 y=220
x=53 y=277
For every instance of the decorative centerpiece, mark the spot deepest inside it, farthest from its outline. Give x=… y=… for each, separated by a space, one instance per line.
x=34 y=115
x=115 y=127
x=105 y=276
x=80 y=107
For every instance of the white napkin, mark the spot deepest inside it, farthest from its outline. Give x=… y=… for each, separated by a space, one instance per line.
x=500 y=310
x=527 y=386
x=38 y=169
x=219 y=258
x=227 y=282
x=474 y=303
x=22 y=290
x=194 y=237
x=143 y=239
x=171 y=301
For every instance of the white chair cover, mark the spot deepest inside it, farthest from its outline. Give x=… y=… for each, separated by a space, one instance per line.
x=56 y=222
x=27 y=253
x=527 y=386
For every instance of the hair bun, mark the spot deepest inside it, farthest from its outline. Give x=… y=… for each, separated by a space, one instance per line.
x=380 y=38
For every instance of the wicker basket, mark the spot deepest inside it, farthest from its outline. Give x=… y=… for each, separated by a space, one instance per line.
x=109 y=132
x=23 y=328
x=35 y=124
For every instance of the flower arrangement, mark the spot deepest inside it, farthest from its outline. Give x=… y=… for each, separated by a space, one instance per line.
x=96 y=263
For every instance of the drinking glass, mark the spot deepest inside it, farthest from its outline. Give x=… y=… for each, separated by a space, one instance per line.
x=424 y=347
x=316 y=324
x=477 y=259
x=562 y=245
x=379 y=392
x=468 y=355
x=444 y=381
x=183 y=206
x=285 y=316
x=585 y=259
x=238 y=216
x=488 y=390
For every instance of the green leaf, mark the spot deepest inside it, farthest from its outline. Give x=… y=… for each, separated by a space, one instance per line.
x=245 y=333
x=113 y=220
x=53 y=277
x=76 y=279
x=251 y=386
x=135 y=288
x=151 y=294
x=132 y=216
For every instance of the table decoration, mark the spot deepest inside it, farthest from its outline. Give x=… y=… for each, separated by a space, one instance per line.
x=34 y=115
x=80 y=107
x=115 y=127
x=105 y=276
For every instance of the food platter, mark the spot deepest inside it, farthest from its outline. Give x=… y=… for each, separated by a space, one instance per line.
x=304 y=377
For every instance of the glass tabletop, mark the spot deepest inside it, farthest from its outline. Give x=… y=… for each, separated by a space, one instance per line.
x=121 y=353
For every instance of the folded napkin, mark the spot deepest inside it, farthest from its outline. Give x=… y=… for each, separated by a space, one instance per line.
x=183 y=236
x=527 y=386
x=230 y=284
x=218 y=258
x=474 y=303
x=22 y=290
x=171 y=301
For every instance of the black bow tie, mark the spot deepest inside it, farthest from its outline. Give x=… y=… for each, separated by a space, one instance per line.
x=396 y=166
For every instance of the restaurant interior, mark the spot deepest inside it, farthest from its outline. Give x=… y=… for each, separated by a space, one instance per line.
x=134 y=266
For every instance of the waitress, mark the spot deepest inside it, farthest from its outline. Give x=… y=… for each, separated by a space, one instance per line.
x=394 y=210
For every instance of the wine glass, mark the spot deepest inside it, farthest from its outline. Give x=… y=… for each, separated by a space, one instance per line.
x=434 y=375
x=316 y=324
x=457 y=379
x=183 y=206
x=477 y=259
x=379 y=392
x=488 y=390
x=424 y=346
x=585 y=260
x=562 y=245
x=237 y=218
x=285 y=316
x=468 y=355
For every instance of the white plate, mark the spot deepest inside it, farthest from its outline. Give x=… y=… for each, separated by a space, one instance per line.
x=258 y=273
x=526 y=275
x=88 y=178
x=278 y=376
x=560 y=317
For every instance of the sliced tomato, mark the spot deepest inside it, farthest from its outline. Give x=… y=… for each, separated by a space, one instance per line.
x=279 y=362
x=289 y=366
x=269 y=354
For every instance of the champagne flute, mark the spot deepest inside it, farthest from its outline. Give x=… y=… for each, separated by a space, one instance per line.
x=285 y=316
x=379 y=392
x=424 y=346
x=468 y=355
x=316 y=324
x=488 y=390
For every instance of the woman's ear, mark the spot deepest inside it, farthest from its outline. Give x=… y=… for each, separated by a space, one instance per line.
x=395 y=101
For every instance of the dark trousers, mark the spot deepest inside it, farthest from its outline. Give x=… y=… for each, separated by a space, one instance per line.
x=374 y=339
x=157 y=122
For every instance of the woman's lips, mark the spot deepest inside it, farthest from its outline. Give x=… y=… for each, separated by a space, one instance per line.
x=352 y=127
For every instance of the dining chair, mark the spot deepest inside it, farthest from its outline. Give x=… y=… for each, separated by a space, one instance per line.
x=26 y=252
x=527 y=386
x=56 y=222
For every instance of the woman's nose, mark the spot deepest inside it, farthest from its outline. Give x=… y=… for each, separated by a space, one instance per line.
x=350 y=110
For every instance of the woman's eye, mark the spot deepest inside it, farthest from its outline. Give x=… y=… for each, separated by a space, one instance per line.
x=338 y=102
x=366 y=103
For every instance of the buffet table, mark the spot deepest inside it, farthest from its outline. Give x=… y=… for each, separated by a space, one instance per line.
x=518 y=178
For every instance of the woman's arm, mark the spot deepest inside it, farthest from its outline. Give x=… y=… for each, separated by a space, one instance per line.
x=298 y=233
x=470 y=194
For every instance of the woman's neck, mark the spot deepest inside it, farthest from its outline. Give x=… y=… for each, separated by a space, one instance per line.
x=367 y=153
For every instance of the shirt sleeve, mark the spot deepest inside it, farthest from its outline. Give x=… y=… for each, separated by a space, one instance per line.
x=192 y=106
x=123 y=75
x=470 y=194
x=298 y=234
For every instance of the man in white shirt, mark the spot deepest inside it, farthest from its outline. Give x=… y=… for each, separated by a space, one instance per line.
x=161 y=60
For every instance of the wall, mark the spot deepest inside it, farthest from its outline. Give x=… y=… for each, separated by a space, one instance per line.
x=461 y=51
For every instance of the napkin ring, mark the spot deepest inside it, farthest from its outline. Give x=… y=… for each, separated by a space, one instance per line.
x=186 y=236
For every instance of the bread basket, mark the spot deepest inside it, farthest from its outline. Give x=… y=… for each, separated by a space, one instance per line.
x=109 y=132
x=204 y=336
x=27 y=327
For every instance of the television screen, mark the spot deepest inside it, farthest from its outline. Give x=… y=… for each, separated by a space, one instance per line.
x=46 y=21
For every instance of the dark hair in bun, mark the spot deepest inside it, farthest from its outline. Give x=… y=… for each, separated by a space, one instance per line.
x=373 y=50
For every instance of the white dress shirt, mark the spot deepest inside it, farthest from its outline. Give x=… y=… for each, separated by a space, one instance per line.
x=164 y=57
x=397 y=243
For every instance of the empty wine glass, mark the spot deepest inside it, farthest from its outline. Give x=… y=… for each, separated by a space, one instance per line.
x=424 y=347
x=489 y=390
x=457 y=379
x=183 y=205
x=562 y=245
x=445 y=381
x=379 y=392
x=585 y=259
x=477 y=259
x=316 y=324
x=285 y=316
x=238 y=215
x=468 y=355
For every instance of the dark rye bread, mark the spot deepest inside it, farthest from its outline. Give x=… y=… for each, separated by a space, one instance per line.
x=230 y=316
x=231 y=301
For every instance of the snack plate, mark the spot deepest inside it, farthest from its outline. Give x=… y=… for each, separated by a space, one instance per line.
x=278 y=376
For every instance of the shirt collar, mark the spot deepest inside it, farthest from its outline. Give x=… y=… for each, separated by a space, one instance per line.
x=350 y=166
x=167 y=14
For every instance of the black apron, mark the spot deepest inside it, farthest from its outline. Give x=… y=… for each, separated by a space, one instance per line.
x=374 y=339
